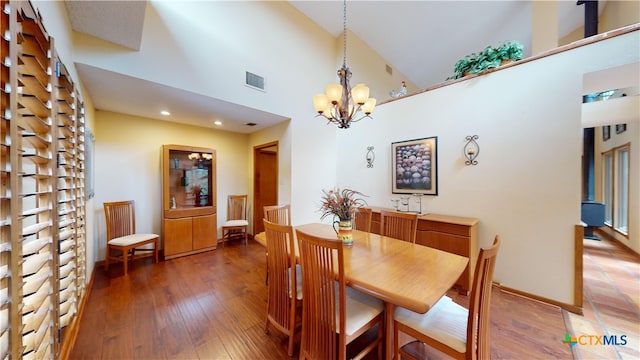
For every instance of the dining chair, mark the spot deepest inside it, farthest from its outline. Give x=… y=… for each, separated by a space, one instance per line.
x=122 y=238
x=363 y=217
x=449 y=327
x=399 y=225
x=285 y=285
x=279 y=214
x=237 y=223
x=329 y=307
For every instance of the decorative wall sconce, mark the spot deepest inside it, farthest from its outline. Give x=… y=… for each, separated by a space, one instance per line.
x=471 y=150
x=370 y=156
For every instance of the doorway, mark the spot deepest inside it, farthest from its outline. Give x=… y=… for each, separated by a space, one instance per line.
x=265 y=181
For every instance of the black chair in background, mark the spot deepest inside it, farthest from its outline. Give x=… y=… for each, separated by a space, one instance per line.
x=592 y=215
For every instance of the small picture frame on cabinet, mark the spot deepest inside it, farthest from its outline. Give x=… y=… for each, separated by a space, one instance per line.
x=606 y=132
x=620 y=128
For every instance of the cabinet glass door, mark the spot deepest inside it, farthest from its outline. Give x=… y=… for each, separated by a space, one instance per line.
x=189 y=179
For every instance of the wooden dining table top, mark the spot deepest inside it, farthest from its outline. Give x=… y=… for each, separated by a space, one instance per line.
x=398 y=272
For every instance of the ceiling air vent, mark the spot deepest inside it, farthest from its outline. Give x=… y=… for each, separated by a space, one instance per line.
x=254 y=81
x=389 y=69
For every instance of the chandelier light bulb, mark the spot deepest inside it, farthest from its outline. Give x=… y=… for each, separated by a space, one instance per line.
x=360 y=94
x=321 y=103
x=368 y=106
x=334 y=93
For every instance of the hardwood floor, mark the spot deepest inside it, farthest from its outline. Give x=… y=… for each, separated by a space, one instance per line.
x=213 y=305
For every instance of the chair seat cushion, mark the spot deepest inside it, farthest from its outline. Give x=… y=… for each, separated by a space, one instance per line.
x=361 y=308
x=131 y=239
x=446 y=322
x=236 y=223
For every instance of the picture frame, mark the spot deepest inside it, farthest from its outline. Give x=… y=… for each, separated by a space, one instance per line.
x=415 y=166
x=620 y=128
x=606 y=132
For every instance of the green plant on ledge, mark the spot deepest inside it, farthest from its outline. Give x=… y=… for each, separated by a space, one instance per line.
x=490 y=57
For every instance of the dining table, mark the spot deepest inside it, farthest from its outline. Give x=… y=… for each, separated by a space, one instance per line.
x=398 y=272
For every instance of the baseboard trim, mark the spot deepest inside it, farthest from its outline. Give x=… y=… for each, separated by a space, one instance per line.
x=571 y=308
x=70 y=341
x=610 y=237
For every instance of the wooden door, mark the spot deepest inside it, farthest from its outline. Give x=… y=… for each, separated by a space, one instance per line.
x=265 y=164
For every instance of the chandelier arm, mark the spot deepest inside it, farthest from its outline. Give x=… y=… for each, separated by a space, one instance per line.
x=362 y=117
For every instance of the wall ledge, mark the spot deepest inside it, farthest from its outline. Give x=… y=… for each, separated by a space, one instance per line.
x=560 y=49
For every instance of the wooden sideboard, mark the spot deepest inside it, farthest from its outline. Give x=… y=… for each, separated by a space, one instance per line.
x=453 y=234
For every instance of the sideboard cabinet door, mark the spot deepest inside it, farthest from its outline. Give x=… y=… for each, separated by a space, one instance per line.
x=177 y=236
x=204 y=232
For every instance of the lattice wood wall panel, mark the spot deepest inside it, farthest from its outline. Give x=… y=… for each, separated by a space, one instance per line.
x=42 y=249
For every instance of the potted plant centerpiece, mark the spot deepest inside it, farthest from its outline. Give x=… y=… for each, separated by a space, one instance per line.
x=490 y=57
x=343 y=205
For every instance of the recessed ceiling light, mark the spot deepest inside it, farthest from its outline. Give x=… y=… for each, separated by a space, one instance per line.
x=218 y=122
x=165 y=113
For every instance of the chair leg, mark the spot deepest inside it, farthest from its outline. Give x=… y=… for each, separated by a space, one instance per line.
x=291 y=339
x=266 y=268
x=246 y=239
x=155 y=250
x=125 y=260
x=106 y=259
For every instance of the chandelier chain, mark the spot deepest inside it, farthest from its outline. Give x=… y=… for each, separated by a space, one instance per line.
x=344 y=34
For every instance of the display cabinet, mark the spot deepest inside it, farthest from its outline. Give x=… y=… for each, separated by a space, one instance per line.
x=189 y=212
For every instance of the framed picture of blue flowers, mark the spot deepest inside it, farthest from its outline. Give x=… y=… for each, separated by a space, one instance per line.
x=415 y=166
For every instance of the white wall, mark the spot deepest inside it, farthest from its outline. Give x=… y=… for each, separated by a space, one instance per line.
x=526 y=187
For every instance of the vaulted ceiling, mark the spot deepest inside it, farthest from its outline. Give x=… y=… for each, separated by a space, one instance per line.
x=421 y=39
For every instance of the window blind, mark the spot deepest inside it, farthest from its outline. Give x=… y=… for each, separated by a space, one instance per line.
x=42 y=203
x=35 y=186
x=5 y=184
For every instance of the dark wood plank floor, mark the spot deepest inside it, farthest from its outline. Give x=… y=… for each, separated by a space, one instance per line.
x=213 y=306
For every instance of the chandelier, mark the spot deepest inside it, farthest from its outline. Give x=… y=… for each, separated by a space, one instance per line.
x=342 y=105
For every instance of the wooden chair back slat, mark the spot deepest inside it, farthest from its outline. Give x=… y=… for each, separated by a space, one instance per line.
x=278 y=214
x=480 y=302
x=282 y=304
x=237 y=207
x=363 y=219
x=399 y=225
x=322 y=276
x=120 y=218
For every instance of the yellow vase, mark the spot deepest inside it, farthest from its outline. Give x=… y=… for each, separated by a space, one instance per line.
x=345 y=231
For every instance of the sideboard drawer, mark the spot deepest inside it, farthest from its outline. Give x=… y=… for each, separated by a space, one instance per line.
x=443 y=227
